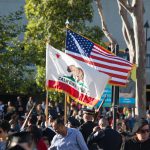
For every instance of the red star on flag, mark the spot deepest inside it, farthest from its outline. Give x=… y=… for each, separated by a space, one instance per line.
x=57 y=55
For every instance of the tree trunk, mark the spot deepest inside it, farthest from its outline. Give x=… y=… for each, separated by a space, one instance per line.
x=134 y=36
x=140 y=47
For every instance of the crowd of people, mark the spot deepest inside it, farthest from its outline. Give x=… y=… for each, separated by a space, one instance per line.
x=23 y=126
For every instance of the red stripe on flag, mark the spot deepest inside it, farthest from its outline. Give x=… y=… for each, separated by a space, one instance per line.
x=73 y=92
x=117 y=83
x=98 y=64
x=116 y=58
x=114 y=75
x=110 y=61
x=102 y=48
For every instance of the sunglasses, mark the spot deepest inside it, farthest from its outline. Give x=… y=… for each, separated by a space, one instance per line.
x=144 y=131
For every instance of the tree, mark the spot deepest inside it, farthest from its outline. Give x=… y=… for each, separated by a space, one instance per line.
x=46 y=22
x=134 y=37
x=16 y=76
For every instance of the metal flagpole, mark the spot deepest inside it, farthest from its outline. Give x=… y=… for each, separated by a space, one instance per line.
x=115 y=96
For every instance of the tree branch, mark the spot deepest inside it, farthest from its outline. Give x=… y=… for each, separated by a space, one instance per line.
x=127 y=31
x=104 y=27
x=126 y=5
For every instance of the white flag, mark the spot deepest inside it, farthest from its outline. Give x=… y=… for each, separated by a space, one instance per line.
x=76 y=78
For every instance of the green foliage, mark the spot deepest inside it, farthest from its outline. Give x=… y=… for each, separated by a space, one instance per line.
x=10 y=28
x=46 y=22
x=56 y=96
x=16 y=76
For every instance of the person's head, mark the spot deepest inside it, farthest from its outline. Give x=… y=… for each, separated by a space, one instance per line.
x=51 y=117
x=38 y=107
x=22 y=140
x=148 y=114
x=10 y=103
x=18 y=98
x=88 y=115
x=32 y=120
x=103 y=123
x=73 y=123
x=59 y=127
x=126 y=50
x=21 y=120
x=80 y=113
x=35 y=132
x=1 y=102
x=52 y=103
x=141 y=130
x=75 y=113
x=4 y=129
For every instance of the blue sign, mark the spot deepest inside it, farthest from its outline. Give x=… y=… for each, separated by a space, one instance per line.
x=127 y=100
x=108 y=92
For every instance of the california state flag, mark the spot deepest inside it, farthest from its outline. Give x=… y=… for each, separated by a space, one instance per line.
x=81 y=82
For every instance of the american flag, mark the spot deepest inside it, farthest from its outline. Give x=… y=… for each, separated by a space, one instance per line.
x=98 y=57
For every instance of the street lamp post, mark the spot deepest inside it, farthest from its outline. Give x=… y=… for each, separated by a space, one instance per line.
x=146 y=26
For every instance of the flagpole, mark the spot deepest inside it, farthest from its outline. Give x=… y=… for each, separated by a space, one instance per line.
x=66 y=95
x=115 y=96
x=47 y=93
x=65 y=110
x=46 y=109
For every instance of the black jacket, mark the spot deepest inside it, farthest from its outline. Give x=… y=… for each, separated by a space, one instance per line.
x=134 y=144
x=107 y=139
x=86 y=129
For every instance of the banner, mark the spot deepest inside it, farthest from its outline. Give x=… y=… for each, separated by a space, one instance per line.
x=81 y=82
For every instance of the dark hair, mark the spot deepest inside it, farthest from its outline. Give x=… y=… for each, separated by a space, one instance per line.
x=59 y=121
x=5 y=125
x=19 y=137
x=74 y=122
x=139 y=124
x=35 y=132
x=33 y=119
